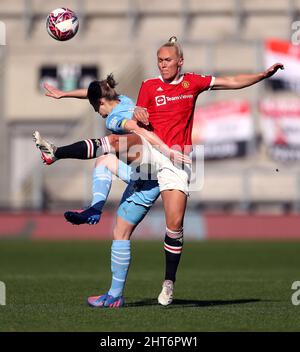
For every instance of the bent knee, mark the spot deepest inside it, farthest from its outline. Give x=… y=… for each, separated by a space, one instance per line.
x=101 y=160
x=175 y=224
x=113 y=140
x=106 y=160
x=120 y=235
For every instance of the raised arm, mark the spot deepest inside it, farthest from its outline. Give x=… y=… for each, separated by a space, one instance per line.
x=152 y=138
x=55 y=93
x=245 y=80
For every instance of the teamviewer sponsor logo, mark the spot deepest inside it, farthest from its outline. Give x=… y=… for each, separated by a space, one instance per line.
x=160 y=100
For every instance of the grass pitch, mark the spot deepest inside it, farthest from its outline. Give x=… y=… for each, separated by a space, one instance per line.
x=221 y=286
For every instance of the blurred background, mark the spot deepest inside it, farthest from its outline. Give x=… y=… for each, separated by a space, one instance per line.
x=251 y=136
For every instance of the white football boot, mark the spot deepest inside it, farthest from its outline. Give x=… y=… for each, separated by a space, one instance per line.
x=166 y=296
x=46 y=148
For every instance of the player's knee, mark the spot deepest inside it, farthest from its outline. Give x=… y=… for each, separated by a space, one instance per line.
x=120 y=235
x=175 y=224
x=101 y=160
x=113 y=141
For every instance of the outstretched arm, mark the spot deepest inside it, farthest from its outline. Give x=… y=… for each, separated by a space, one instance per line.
x=55 y=93
x=152 y=138
x=242 y=81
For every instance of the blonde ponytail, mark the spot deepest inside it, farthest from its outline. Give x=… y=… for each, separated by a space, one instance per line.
x=173 y=42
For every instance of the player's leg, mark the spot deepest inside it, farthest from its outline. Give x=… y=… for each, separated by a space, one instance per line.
x=105 y=166
x=173 y=242
x=130 y=214
x=120 y=262
x=120 y=256
x=173 y=182
x=174 y=229
x=89 y=148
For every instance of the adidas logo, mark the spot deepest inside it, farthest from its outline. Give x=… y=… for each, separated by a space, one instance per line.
x=159 y=89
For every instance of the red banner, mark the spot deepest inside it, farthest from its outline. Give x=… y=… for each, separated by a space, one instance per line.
x=289 y=55
x=280 y=122
x=225 y=129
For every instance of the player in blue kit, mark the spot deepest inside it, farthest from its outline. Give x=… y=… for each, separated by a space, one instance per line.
x=108 y=164
x=139 y=195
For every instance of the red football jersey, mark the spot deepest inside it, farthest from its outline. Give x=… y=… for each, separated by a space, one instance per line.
x=171 y=106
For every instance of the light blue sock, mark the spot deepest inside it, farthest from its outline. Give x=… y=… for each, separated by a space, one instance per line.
x=124 y=171
x=120 y=261
x=102 y=179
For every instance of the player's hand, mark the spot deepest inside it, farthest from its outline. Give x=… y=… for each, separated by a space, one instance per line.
x=141 y=115
x=273 y=69
x=179 y=158
x=53 y=92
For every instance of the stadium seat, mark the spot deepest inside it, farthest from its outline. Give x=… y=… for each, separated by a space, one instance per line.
x=40 y=7
x=212 y=28
x=10 y=8
x=14 y=33
x=212 y=7
x=243 y=56
x=270 y=185
x=227 y=188
x=159 y=7
x=61 y=185
x=262 y=5
x=100 y=7
x=113 y=31
x=156 y=30
x=196 y=59
x=262 y=27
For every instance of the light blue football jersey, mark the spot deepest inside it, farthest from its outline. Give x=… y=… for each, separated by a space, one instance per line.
x=116 y=120
x=143 y=192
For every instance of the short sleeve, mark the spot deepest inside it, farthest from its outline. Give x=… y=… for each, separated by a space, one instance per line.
x=143 y=97
x=116 y=123
x=204 y=82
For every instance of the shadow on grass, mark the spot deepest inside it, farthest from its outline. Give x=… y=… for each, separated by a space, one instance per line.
x=180 y=303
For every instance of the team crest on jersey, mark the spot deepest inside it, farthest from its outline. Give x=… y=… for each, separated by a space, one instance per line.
x=185 y=84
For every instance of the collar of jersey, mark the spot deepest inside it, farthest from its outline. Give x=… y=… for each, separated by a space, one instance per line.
x=118 y=107
x=173 y=82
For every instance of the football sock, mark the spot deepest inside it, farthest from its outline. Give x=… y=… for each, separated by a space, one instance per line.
x=124 y=171
x=173 y=248
x=120 y=261
x=102 y=179
x=87 y=149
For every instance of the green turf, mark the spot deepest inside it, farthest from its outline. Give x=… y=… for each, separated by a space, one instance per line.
x=221 y=286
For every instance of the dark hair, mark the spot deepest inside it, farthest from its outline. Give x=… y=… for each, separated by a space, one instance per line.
x=173 y=43
x=102 y=89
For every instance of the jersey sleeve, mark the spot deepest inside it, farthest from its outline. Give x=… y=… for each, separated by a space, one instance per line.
x=143 y=97
x=204 y=82
x=116 y=123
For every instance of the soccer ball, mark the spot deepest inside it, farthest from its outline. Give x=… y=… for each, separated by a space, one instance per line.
x=62 y=24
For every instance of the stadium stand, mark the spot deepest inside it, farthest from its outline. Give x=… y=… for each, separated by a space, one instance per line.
x=223 y=37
